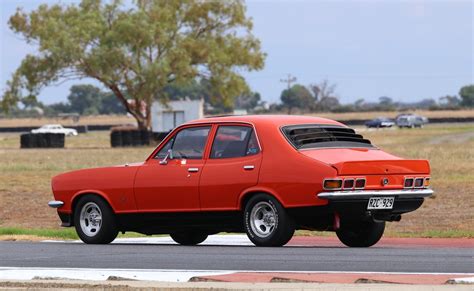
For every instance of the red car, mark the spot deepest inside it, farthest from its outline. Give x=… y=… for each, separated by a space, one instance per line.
x=263 y=175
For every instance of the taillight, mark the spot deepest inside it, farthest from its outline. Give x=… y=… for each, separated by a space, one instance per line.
x=417 y=182
x=332 y=184
x=348 y=184
x=344 y=184
x=360 y=183
x=408 y=182
x=427 y=182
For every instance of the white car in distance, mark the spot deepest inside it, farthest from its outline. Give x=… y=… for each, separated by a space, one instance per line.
x=55 y=128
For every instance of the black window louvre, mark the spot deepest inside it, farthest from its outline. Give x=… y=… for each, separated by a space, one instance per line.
x=318 y=136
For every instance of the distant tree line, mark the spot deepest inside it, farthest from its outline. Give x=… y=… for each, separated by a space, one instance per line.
x=82 y=99
x=87 y=99
x=321 y=97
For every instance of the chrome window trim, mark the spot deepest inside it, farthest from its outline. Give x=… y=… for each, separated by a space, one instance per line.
x=191 y=123
x=354 y=194
x=244 y=124
x=175 y=132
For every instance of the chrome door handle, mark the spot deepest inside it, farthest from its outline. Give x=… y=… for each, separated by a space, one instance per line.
x=193 y=170
x=249 y=167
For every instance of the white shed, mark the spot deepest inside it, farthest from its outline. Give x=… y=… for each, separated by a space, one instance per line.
x=166 y=117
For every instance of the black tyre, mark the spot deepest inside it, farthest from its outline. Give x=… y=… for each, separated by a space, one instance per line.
x=94 y=220
x=361 y=233
x=266 y=222
x=189 y=238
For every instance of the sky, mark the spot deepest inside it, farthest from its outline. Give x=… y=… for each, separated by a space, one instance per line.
x=406 y=50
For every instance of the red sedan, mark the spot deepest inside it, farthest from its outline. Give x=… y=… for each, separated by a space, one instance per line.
x=263 y=175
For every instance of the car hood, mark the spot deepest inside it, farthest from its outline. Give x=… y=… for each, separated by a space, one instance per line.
x=357 y=161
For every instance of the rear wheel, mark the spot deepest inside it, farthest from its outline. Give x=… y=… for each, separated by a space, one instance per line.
x=94 y=220
x=266 y=222
x=189 y=238
x=361 y=233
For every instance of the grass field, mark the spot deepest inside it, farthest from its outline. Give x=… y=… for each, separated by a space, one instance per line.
x=25 y=176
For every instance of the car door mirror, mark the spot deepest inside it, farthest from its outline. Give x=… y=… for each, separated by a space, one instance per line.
x=169 y=156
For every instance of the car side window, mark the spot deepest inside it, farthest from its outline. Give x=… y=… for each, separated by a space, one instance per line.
x=188 y=143
x=234 y=141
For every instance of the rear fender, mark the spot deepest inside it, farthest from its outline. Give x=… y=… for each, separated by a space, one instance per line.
x=255 y=190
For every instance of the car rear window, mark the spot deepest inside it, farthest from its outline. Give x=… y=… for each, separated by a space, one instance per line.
x=324 y=136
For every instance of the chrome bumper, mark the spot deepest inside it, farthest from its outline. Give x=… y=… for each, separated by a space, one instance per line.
x=55 y=204
x=361 y=194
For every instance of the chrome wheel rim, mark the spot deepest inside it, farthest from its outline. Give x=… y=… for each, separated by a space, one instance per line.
x=263 y=219
x=90 y=219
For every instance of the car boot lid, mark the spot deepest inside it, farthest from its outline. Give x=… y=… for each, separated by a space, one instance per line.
x=355 y=161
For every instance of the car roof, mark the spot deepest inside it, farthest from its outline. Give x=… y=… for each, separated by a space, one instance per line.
x=277 y=120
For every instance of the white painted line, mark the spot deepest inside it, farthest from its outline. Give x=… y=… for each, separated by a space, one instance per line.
x=469 y=280
x=13 y=273
x=223 y=240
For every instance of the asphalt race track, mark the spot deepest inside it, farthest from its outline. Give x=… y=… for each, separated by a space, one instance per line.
x=218 y=257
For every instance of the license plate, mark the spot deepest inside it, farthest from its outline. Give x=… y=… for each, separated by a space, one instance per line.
x=381 y=203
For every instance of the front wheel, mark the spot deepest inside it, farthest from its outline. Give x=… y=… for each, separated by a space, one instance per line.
x=266 y=222
x=189 y=238
x=94 y=220
x=361 y=233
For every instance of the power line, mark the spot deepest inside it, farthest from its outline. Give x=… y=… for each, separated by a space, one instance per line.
x=289 y=80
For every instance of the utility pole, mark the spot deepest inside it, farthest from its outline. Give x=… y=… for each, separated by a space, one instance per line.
x=289 y=80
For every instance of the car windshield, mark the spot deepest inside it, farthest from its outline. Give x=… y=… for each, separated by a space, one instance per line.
x=323 y=136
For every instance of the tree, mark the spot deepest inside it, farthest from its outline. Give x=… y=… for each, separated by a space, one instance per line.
x=324 y=96
x=449 y=101
x=60 y=107
x=192 y=90
x=297 y=97
x=323 y=90
x=385 y=101
x=136 y=50
x=248 y=101
x=359 y=103
x=467 y=95
x=109 y=104
x=85 y=99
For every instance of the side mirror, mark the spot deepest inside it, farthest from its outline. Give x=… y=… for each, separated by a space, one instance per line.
x=169 y=155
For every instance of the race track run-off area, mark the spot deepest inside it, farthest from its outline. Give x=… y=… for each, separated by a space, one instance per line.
x=232 y=258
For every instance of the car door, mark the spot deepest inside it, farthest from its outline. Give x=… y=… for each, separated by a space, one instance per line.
x=169 y=181
x=233 y=166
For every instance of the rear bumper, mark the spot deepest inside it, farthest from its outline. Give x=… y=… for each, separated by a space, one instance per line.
x=365 y=194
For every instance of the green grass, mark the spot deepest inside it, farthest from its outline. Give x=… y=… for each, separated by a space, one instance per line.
x=63 y=233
